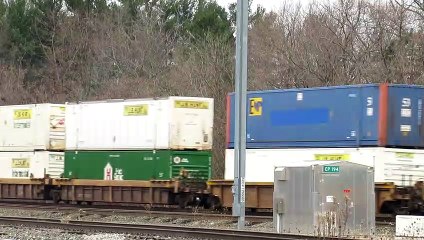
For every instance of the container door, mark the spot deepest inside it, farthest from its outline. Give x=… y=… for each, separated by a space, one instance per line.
x=191 y=124
x=405 y=123
x=56 y=127
x=55 y=165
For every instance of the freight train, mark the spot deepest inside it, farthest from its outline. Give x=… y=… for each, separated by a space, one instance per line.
x=158 y=151
x=141 y=151
x=378 y=125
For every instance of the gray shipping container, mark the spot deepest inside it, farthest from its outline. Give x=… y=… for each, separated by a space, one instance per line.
x=327 y=199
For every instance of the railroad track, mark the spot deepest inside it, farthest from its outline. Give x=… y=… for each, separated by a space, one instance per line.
x=173 y=213
x=161 y=230
x=385 y=219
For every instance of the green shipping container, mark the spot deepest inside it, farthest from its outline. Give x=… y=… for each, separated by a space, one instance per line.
x=137 y=165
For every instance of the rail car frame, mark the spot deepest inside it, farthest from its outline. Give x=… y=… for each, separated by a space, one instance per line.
x=214 y=194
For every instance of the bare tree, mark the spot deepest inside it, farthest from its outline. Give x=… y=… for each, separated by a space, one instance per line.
x=108 y=56
x=205 y=70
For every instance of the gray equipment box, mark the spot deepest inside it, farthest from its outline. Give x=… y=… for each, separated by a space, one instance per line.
x=324 y=198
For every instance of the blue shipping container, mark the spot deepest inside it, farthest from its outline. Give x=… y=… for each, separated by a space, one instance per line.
x=342 y=116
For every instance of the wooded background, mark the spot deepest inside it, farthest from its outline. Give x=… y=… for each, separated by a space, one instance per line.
x=71 y=50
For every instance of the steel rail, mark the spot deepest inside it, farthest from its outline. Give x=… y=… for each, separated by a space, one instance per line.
x=157 y=230
x=380 y=220
x=135 y=212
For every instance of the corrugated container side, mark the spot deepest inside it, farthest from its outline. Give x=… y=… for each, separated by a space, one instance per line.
x=311 y=117
x=112 y=125
x=171 y=123
x=198 y=164
x=32 y=127
x=401 y=166
x=137 y=165
x=27 y=165
x=343 y=116
x=17 y=127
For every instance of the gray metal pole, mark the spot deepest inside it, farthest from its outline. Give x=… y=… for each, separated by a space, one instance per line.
x=240 y=112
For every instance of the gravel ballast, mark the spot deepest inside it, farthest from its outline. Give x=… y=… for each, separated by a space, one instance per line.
x=26 y=233
x=383 y=232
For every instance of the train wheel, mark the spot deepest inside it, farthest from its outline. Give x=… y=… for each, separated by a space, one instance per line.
x=213 y=203
x=182 y=200
x=56 y=196
x=402 y=211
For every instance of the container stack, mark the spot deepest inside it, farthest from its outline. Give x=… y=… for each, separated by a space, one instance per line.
x=377 y=125
x=140 y=139
x=32 y=140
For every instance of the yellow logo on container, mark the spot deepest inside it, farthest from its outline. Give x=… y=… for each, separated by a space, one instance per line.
x=191 y=104
x=136 y=110
x=20 y=163
x=255 y=108
x=22 y=114
x=405 y=155
x=332 y=157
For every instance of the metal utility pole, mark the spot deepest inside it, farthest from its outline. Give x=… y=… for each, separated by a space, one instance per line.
x=240 y=113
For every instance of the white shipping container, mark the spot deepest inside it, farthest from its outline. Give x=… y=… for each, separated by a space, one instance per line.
x=27 y=165
x=32 y=127
x=169 y=123
x=401 y=166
